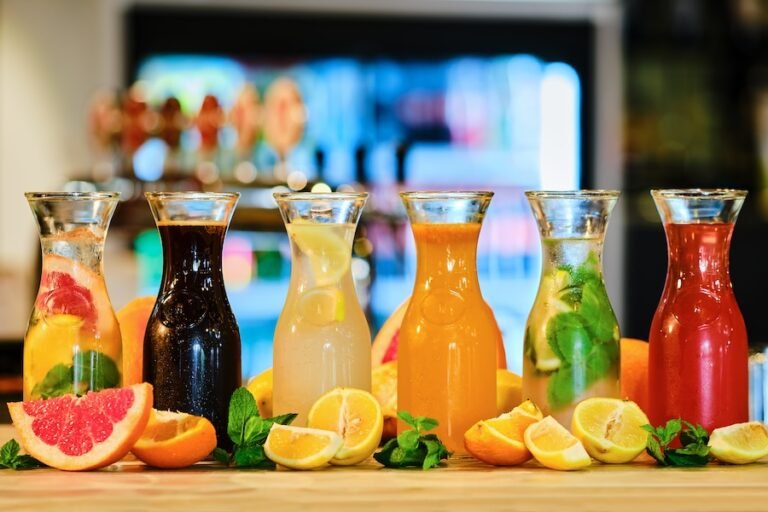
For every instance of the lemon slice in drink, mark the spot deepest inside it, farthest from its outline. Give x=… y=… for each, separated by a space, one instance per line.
x=322 y=306
x=329 y=254
x=551 y=284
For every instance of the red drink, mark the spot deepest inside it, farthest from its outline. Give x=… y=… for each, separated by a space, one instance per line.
x=698 y=340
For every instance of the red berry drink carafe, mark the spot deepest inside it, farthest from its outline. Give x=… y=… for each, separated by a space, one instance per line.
x=698 y=340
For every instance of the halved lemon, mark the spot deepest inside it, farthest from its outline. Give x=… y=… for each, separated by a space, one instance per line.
x=610 y=429
x=328 y=252
x=175 y=440
x=741 y=443
x=554 y=447
x=301 y=447
x=356 y=416
x=499 y=441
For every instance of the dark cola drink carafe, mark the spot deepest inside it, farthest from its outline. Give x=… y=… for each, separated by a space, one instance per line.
x=192 y=342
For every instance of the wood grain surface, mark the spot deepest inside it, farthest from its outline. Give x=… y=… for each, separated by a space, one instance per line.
x=461 y=485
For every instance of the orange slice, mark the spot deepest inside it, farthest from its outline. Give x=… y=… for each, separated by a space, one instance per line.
x=356 y=416
x=499 y=441
x=741 y=443
x=301 y=448
x=554 y=447
x=88 y=432
x=175 y=440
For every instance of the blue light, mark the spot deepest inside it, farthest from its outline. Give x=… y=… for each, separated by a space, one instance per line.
x=149 y=159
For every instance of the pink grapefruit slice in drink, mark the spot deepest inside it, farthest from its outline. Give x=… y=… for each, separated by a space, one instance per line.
x=79 y=433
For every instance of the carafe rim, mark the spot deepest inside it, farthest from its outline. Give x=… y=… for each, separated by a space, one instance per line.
x=699 y=193
x=319 y=196
x=71 y=196
x=573 y=194
x=449 y=194
x=192 y=195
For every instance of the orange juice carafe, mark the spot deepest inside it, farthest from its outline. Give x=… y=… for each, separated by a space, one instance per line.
x=449 y=340
x=72 y=343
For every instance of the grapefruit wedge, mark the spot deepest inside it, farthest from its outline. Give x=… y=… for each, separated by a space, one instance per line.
x=79 y=433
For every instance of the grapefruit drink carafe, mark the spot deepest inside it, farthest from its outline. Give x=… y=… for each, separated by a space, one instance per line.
x=698 y=354
x=449 y=341
x=571 y=345
x=322 y=338
x=192 y=341
x=72 y=343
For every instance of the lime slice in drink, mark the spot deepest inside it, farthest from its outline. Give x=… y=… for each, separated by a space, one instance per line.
x=329 y=253
x=322 y=306
x=546 y=360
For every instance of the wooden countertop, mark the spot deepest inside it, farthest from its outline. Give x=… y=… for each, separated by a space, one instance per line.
x=461 y=485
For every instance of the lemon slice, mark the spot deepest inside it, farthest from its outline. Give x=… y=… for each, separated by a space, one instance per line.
x=301 y=448
x=322 y=306
x=554 y=447
x=329 y=253
x=551 y=306
x=741 y=443
x=610 y=429
x=356 y=416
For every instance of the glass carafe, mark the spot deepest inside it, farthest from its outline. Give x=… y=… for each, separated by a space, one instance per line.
x=72 y=343
x=571 y=347
x=698 y=354
x=322 y=339
x=192 y=341
x=449 y=341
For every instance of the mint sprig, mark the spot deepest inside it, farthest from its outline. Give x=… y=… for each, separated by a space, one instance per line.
x=693 y=438
x=248 y=432
x=11 y=459
x=413 y=448
x=90 y=370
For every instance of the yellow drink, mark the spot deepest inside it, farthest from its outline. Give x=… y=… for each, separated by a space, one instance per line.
x=449 y=339
x=322 y=338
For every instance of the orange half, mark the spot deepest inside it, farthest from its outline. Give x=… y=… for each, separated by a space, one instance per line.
x=175 y=440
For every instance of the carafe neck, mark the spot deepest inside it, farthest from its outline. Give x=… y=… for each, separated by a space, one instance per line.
x=192 y=254
x=700 y=250
x=446 y=254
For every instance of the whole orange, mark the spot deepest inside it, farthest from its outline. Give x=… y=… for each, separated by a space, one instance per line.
x=634 y=371
x=133 y=319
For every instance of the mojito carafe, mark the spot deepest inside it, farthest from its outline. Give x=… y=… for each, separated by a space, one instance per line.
x=571 y=346
x=72 y=343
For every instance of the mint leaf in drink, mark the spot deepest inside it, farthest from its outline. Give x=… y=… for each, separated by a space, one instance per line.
x=94 y=371
x=248 y=432
x=11 y=459
x=561 y=389
x=596 y=310
x=569 y=338
x=57 y=382
x=242 y=406
x=411 y=448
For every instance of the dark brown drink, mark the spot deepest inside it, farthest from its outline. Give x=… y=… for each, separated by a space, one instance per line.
x=192 y=342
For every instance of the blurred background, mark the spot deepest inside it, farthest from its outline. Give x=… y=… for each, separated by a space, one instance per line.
x=257 y=96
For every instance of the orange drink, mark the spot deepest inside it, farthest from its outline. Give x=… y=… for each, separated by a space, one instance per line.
x=449 y=339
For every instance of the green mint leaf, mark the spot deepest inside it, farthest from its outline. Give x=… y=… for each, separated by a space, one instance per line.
x=10 y=458
x=670 y=431
x=675 y=458
x=255 y=431
x=408 y=440
x=436 y=451
x=384 y=456
x=251 y=457
x=424 y=424
x=597 y=312
x=693 y=434
x=568 y=337
x=94 y=371
x=429 y=451
x=561 y=390
x=284 y=419
x=9 y=451
x=408 y=419
x=57 y=382
x=241 y=407
x=653 y=449
x=648 y=428
x=221 y=455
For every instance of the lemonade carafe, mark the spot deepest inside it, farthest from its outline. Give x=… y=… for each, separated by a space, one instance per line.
x=72 y=343
x=571 y=346
x=322 y=339
x=449 y=342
